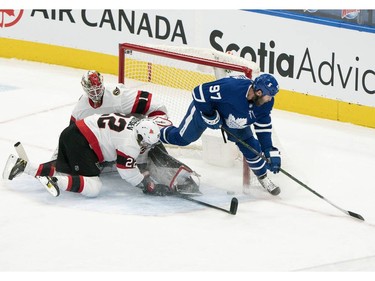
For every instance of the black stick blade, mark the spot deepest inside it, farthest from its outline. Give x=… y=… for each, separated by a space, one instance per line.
x=233 y=206
x=357 y=216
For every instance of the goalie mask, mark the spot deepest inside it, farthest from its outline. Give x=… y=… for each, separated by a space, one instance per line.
x=267 y=84
x=147 y=133
x=92 y=84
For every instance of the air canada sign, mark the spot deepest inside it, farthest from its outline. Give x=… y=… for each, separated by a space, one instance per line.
x=134 y=22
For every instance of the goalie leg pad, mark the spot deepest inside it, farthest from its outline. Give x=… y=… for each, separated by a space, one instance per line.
x=167 y=170
x=183 y=182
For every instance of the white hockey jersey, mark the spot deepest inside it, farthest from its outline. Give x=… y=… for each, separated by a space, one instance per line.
x=112 y=138
x=118 y=99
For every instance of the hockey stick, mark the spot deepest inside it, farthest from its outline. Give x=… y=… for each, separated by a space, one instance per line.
x=233 y=204
x=352 y=214
x=21 y=151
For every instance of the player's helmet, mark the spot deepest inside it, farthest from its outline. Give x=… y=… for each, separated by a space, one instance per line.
x=92 y=84
x=147 y=132
x=267 y=84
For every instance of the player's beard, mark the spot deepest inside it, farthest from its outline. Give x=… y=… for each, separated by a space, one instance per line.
x=256 y=100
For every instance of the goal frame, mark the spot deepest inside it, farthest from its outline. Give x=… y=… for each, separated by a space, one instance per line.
x=123 y=47
x=172 y=55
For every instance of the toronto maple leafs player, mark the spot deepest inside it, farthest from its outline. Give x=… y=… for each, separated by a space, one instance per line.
x=235 y=103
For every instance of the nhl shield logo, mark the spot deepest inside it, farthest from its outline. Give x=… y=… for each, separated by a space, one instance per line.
x=116 y=91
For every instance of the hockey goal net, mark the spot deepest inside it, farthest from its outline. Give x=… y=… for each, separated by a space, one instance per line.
x=170 y=73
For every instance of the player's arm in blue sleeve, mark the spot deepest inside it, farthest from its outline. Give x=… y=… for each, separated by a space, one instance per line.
x=263 y=130
x=202 y=102
x=263 y=126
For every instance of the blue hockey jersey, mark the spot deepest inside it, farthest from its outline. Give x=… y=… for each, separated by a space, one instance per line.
x=228 y=97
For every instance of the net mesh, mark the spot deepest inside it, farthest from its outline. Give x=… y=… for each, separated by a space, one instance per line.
x=172 y=80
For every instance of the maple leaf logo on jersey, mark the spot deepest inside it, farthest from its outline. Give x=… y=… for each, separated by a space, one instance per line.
x=235 y=123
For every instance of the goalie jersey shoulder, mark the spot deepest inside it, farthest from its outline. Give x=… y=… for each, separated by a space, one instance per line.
x=116 y=89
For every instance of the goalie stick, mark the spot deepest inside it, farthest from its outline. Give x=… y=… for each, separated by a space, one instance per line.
x=352 y=214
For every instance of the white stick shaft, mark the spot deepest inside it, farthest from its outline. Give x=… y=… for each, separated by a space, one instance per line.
x=21 y=151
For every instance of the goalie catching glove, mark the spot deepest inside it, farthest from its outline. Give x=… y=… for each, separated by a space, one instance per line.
x=148 y=186
x=274 y=159
x=212 y=121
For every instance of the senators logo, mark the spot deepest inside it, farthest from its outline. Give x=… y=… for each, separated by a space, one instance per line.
x=9 y=17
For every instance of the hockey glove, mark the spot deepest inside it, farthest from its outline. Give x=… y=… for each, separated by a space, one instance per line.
x=213 y=121
x=158 y=190
x=274 y=159
x=151 y=188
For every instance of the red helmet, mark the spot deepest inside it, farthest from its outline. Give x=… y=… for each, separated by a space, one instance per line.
x=92 y=83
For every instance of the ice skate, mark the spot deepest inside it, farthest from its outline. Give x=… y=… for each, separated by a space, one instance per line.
x=269 y=185
x=50 y=183
x=14 y=167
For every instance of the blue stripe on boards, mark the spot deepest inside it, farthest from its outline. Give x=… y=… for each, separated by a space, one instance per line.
x=317 y=20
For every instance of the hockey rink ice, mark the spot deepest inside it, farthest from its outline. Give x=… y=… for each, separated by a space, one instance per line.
x=124 y=230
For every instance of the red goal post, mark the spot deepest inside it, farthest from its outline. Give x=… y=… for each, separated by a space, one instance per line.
x=173 y=71
x=177 y=56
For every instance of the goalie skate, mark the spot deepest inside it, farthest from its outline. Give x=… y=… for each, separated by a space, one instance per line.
x=13 y=167
x=50 y=184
